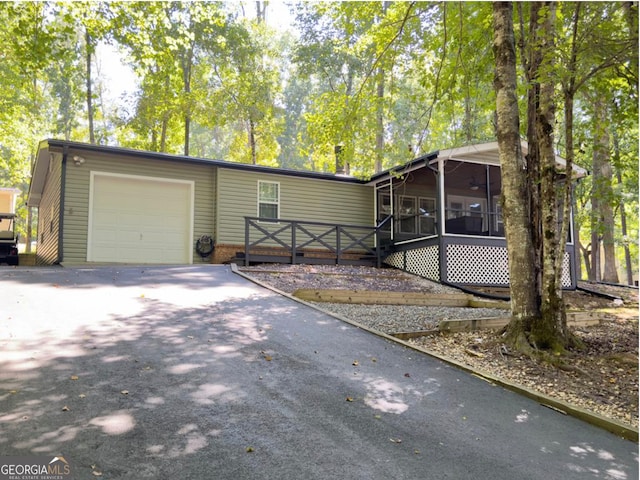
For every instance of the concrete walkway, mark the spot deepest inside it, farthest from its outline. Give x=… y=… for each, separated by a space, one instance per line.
x=196 y=373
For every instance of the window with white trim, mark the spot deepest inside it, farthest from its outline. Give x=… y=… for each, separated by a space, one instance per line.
x=268 y=199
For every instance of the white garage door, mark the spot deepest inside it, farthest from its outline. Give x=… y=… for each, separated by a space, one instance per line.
x=139 y=220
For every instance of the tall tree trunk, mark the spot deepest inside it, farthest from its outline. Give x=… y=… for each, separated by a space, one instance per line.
x=187 y=62
x=595 y=272
x=551 y=331
x=163 y=133
x=568 y=202
x=89 y=48
x=380 y=109
x=252 y=142
x=380 y=122
x=623 y=214
x=164 y=125
x=533 y=56
x=586 y=257
x=603 y=179
x=261 y=10
x=522 y=273
x=29 y=229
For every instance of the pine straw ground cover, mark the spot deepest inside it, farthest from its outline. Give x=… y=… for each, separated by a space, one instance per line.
x=602 y=377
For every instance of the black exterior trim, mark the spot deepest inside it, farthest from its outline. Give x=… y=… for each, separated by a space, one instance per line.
x=54 y=143
x=406 y=166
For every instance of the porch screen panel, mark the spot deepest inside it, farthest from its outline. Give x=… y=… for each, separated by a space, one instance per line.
x=472 y=193
x=407 y=214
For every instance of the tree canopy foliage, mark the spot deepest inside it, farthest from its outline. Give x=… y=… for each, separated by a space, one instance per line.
x=385 y=80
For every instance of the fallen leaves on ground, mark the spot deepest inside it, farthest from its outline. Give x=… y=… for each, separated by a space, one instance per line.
x=611 y=353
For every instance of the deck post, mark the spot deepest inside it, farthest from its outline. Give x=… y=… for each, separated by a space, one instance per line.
x=378 y=249
x=338 y=247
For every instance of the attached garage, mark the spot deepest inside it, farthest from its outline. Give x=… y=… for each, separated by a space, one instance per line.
x=138 y=219
x=104 y=204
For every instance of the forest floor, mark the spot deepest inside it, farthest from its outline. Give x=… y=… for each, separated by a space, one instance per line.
x=602 y=377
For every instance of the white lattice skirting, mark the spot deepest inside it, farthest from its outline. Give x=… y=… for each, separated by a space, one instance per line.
x=479 y=265
x=483 y=265
x=421 y=261
x=466 y=264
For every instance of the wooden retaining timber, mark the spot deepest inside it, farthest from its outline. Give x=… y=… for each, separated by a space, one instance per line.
x=574 y=319
x=368 y=297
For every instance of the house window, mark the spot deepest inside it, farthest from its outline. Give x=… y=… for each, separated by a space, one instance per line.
x=427 y=218
x=268 y=199
x=408 y=212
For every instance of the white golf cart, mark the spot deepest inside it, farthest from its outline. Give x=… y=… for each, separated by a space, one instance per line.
x=8 y=239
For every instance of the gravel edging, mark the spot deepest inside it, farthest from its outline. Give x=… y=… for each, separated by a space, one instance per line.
x=392 y=319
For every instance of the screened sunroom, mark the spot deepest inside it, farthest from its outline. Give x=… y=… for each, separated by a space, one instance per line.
x=444 y=220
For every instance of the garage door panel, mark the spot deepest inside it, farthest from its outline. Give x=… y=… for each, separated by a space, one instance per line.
x=140 y=220
x=107 y=236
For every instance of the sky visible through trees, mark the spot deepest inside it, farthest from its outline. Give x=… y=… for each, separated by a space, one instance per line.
x=282 y=83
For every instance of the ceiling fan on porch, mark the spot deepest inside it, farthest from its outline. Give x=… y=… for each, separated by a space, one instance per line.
x=475 y=185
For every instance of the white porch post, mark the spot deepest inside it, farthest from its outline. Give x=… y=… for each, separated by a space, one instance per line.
x=393 y=226
x=441 y=196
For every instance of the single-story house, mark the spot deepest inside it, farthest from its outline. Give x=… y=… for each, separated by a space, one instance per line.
x=437 y=216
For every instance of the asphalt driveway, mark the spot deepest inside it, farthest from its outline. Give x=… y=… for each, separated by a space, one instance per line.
x=196 y=373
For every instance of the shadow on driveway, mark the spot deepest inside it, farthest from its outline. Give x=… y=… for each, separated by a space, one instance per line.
x=193 y=372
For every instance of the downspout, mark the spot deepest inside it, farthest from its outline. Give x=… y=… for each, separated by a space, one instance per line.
x=63 y=181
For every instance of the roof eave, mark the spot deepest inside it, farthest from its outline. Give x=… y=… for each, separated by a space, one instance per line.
x=39 y=174
x=414 y=164
x=178 y=158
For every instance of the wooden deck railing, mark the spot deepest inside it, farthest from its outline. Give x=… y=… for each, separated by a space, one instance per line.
x=336 y=242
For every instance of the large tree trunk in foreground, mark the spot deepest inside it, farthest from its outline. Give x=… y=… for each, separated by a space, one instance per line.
x=530 y=188
x=522 y=274
x=551 y=331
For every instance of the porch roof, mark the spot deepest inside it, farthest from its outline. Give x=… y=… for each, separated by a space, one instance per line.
x=484 y=153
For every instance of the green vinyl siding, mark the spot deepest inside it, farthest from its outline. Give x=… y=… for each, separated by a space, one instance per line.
x=304 y=199
x=48 y=248
x=76 y=215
